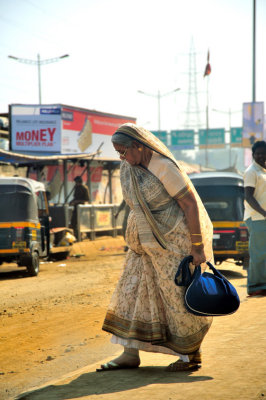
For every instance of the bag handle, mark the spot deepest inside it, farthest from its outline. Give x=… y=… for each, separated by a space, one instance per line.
x=183 y=276
x=214 y=270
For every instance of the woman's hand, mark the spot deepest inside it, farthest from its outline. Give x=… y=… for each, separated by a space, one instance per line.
x=198 y=255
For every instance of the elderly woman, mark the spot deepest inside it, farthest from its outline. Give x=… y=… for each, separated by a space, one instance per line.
x=167 y=222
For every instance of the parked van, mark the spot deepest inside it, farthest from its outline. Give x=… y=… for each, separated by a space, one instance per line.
x=223 y=196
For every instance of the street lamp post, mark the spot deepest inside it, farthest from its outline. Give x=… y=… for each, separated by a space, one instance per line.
x=159 y=96
x=39 y=63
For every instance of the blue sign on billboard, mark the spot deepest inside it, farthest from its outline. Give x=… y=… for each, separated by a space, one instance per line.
x=182 y=139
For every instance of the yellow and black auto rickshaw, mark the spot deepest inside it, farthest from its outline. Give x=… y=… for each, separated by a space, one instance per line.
x=24 y=222
x=223 y=196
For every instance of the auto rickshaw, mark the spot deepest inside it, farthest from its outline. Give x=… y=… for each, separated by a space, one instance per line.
x=223 y=196
x=24 y=222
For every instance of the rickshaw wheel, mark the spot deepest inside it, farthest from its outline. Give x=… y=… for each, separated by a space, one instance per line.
x=33 y=264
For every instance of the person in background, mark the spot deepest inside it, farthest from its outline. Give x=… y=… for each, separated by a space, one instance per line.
x=80 y=196
x=48 y=196
x=255 y=218
x=167 y=222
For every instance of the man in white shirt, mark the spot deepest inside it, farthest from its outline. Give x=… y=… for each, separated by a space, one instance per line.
x=255 y=218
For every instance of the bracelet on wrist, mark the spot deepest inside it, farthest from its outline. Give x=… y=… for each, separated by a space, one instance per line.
x=195 y=234
x=197 y=243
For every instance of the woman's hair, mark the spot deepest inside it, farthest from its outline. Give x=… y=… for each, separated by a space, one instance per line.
x=124 y=140
x=258 y=144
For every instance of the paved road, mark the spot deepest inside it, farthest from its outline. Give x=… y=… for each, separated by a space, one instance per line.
x=234 y=364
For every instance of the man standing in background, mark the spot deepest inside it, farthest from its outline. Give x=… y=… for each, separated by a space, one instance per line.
x=255 y=218
x=80 y=196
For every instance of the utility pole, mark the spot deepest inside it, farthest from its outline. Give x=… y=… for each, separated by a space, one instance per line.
x=39 y=63
x=254 y=54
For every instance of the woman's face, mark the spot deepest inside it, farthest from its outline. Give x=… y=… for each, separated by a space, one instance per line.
x=133 y=154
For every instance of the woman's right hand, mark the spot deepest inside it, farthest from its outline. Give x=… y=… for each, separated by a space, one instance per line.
x=198 y=255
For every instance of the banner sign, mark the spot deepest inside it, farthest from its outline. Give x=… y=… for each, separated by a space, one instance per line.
x=162 y=135
x=236 y=137
x=211 y=138
x=83 y=131
x=63 y=129
x=182 y=139
x=36 y=128
x=253 y=123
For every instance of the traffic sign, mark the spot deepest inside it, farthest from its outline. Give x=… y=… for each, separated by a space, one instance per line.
x=182 y=139
x=236 y=137
x=211 y=138
x=162 y=135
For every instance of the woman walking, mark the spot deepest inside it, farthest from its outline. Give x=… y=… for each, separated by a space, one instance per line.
x=167 y=222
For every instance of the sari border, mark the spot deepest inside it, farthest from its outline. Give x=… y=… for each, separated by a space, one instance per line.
x=154 y=333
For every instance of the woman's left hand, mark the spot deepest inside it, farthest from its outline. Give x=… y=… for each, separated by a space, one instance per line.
x=198 y=255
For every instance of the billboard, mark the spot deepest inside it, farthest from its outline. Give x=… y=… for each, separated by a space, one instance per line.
x=63 y=129
x=253 y=123
x=36 y=128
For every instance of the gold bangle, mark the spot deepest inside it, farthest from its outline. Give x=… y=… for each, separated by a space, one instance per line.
x=195 y=234
x=197 y=243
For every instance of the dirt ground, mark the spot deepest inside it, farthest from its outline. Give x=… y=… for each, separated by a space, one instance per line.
x=51 y=337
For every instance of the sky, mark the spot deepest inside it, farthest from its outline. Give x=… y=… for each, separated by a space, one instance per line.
x=119 y=47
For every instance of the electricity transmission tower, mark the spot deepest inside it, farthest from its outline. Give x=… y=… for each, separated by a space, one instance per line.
x=193 y=120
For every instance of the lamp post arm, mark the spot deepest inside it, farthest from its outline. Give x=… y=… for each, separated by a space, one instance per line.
x=147 y=94
x=38 y=62
x=172 y=91
x=24 y=60
x=52 y=60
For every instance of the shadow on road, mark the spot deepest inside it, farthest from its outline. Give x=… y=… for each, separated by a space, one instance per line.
x=13 y=274
x=95 y=383
x=232 y=274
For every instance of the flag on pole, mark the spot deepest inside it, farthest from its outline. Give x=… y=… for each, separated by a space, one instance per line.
x=208 y=66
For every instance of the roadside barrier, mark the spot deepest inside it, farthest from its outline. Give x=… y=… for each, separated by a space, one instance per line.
x=91 y=219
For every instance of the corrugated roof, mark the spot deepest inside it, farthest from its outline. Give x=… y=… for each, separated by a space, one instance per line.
x=10 y=157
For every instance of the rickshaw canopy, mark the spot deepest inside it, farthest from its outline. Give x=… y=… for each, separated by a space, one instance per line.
x=18 y=199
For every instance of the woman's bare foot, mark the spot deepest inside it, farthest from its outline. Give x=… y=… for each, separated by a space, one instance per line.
x=127 y=359
x=124 y=361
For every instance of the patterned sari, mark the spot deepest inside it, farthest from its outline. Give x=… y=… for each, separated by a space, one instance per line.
x=147 y=309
